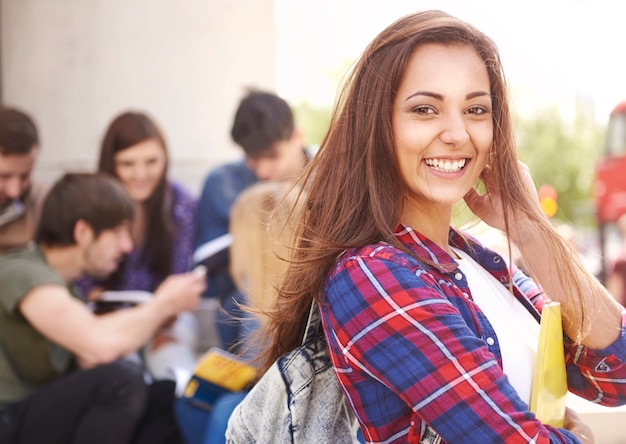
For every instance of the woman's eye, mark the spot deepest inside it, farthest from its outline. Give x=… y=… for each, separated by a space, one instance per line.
x=424 y=109
x=478 y=110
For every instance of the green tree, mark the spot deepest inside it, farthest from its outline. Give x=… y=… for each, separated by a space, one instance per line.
x=313 y=120
x=562 y=154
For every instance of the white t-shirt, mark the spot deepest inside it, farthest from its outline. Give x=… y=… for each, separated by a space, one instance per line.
x=516 y=328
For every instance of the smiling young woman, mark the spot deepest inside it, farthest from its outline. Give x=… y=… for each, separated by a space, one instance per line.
x=134 y=151
x=424 y=325
x=443 y=129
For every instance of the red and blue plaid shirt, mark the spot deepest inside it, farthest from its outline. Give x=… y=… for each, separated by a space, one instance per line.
x=417 y=357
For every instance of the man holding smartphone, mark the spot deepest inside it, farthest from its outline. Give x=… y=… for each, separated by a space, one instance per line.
x=63 y=376
x=20 y=198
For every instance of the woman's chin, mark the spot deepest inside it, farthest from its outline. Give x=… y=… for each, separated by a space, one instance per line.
x=140 y=196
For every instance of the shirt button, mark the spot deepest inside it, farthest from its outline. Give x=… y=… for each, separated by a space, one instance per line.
x=490 y=341
x=458 y=276
x=603 y=367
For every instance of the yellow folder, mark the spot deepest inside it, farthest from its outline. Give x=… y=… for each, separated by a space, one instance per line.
x=217 y=372
x=549 y=390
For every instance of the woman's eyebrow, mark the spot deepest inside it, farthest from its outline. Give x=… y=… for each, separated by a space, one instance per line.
x=437 y=96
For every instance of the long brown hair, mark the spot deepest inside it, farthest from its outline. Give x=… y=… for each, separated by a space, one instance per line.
x=354 y=186
x=126 y=130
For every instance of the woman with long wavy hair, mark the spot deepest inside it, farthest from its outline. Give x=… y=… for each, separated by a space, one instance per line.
x=432 y=335
x=134 y=151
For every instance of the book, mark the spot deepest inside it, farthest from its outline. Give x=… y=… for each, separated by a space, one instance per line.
x=217 y=372
x=549 y=389
x=132 y=296
x=114 y=300
x=212 y=247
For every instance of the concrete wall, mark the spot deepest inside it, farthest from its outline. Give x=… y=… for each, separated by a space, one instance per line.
x=74 y=64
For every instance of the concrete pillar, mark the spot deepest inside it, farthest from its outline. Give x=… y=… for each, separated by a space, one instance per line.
x=74 y=64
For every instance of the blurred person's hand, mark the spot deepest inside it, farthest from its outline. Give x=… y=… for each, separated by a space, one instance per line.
x=182 y=291
x=95 y=294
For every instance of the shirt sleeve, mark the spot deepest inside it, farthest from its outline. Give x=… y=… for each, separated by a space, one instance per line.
x=213 y=213
x=19 y=276
x=185 y=209
x=596 y=375
x=529 y=288
x=213 y=208
x=393 y=334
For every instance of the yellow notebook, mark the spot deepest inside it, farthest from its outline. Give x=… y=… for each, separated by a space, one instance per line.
x=216 y=373
x=549 y=390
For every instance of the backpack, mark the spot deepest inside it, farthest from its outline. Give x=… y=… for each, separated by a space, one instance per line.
x=298 y=400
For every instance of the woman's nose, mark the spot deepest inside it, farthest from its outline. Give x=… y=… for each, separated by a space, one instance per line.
x=454 y=131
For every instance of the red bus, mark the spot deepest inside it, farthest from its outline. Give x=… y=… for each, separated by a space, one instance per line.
x=610 y=180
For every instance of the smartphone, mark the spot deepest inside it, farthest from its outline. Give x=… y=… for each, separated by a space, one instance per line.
x=200 y=270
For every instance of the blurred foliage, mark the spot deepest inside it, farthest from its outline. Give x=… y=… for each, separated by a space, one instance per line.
x=563 y=154
x=559 y=152
x=313 y=121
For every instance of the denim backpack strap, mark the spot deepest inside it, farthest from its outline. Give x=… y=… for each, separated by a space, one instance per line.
x=298 y=400
x=313 y=324
x=318 y=410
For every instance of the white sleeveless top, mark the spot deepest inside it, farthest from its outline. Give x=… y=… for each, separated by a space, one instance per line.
x=516 y=328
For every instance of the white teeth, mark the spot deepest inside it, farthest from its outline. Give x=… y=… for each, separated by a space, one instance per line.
x=445 y=165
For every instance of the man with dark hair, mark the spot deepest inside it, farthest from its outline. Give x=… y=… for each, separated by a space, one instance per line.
x=61 y=376
x=274 y=150
x=19 y=196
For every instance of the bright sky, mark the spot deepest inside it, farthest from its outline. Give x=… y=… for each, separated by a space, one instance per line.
x=553 y=51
